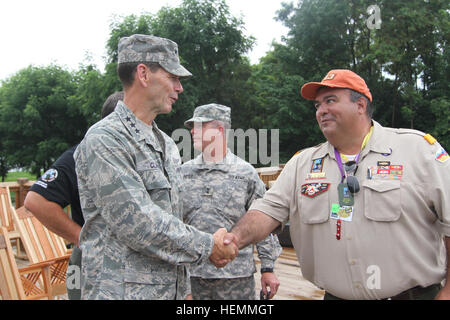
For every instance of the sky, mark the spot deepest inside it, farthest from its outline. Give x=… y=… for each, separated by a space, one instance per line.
x=68 y=32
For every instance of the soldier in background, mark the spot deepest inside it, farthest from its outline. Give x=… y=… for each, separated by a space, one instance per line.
x=58 y=188
x=219 y=189
x=134 y=242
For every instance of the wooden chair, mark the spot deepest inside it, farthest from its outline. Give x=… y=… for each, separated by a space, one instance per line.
x=42 y=245
x=21 y=284
x=6 y=219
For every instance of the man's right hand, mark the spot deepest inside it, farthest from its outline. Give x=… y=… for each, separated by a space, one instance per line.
x=222 y=254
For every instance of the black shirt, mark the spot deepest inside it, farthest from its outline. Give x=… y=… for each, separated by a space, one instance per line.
x=59 y=184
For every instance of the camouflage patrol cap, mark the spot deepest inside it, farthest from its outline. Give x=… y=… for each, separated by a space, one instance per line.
x=210 y=112
x=147 y=48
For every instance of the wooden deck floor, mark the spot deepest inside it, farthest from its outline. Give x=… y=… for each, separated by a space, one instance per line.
x=292 y=284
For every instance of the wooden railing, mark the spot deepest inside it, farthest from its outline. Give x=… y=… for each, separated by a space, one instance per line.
x=19 y=188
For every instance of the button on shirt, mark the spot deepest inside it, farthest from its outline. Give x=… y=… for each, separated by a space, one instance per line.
x=134 y=242
x=217 y=195
x=395 y=239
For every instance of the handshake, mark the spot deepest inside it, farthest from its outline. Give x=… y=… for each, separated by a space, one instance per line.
x=225 y=248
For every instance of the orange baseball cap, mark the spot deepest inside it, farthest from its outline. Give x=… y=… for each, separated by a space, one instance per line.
x=339 y=78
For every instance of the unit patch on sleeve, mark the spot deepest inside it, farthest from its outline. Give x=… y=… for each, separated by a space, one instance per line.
x=313 y=189
x=50 y=175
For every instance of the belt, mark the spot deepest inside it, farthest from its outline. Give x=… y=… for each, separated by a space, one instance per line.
x=416 y=292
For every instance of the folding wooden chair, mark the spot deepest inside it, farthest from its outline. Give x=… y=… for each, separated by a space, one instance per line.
x=42 y=245
x=21 y=284
x=6 y=219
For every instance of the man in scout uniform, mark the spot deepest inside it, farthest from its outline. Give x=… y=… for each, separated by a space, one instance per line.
x=369 y=210
x=134 y=243
x=219 y=189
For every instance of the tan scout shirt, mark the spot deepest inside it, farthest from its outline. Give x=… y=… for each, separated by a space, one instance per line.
x=395 y=239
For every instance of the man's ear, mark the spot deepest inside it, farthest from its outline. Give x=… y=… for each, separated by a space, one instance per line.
x=142 y=74
x=362 y=105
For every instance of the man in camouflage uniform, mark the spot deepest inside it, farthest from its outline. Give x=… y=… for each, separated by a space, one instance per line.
x=134 y=243
x=219 y=189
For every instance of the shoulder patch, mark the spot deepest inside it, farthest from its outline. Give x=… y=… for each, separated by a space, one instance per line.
x=430 y=138
x=442 y=155
x=50 y=175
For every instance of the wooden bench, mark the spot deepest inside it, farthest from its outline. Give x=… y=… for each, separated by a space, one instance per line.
x=42 y=245
x=6 y=219
x=29 y=283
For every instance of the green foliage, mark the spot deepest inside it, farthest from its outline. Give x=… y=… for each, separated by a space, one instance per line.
x=37 y=120
x=405 y=63
x=211 y=45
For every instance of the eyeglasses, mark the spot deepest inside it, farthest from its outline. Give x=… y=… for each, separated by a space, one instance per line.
x=352 y=181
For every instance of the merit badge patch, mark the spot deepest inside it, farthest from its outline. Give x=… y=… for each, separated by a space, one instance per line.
x=313 y=189
x=442 y=155
x=50 y=175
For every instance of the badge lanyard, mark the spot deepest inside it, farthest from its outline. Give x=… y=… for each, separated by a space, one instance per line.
x=345 y=196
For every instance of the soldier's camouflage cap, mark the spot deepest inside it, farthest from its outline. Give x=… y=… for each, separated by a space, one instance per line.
x=210 y=112
x=147 y=48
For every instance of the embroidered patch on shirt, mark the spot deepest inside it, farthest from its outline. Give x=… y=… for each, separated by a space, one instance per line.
x=384 y=171
x=313 y=189
x=50 y=175
x=317 y=165
x=442 y=155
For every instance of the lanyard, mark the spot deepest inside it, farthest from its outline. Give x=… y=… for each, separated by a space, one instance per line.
x=340 y=165
x=339 y=159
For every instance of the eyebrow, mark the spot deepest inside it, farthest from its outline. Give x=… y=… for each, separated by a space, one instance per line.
x=326 y=97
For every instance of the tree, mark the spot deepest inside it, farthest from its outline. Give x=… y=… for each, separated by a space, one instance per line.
x=211 y=45
x=37 y=120
x=405 y=62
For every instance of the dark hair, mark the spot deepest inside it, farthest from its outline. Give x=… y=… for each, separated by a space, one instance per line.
x=111 y=103
x=355 y=95
x=127 y=71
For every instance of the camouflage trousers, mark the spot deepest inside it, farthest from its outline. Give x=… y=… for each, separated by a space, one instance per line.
x=223 y=289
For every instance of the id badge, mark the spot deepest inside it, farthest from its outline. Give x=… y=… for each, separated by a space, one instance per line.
x=344 y=213
x=345 y=196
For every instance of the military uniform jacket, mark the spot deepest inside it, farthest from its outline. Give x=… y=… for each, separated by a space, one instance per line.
x=218 y=195
x=134 y=242
x=395 y=239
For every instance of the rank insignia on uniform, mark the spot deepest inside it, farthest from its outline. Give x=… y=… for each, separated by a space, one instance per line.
x=313 y=189
x=442 y=155
x=50 y=175
x=317 y=165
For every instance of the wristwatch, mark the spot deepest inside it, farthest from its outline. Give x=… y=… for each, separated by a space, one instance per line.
x=263 y=270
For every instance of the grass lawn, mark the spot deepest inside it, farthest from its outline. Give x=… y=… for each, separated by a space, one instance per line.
x=13 y=176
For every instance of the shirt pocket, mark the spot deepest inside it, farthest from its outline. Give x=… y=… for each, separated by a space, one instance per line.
x=314 y=210
x=230 y=199
x=382 y=200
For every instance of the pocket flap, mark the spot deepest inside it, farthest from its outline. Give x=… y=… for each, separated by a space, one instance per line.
x=382 y=185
